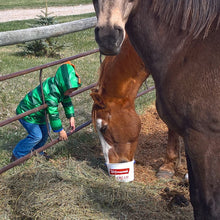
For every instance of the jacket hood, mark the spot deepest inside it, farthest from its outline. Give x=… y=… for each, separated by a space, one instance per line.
x=66 y=77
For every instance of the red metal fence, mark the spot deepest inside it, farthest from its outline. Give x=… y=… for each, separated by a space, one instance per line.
x=44 y=106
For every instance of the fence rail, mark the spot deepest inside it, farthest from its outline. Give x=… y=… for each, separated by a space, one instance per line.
x=53 y=142
x=29 y=34
x=23 y=72
x=10 y=120
x=28 y=156
x=13 y=37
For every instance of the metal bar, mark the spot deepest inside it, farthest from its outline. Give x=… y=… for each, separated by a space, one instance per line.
x=82 y=90
x=8 y=121
x=145 y=91
x=28 y=156
x=43 y=99
x=44 y=106
x=23 y=72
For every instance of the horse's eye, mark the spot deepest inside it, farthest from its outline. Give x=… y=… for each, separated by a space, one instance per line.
x=103 y=128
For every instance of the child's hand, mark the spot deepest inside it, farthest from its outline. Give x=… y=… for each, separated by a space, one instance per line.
x=72 y=124
x=63 y=135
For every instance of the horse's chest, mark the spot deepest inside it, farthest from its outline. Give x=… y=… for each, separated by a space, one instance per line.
x=190 y=101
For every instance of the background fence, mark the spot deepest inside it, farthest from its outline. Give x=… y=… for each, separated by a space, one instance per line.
x=30 y=34
x=14 y=37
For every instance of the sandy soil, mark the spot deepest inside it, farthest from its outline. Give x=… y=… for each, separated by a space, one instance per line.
x=152 y=148
x=24 y=14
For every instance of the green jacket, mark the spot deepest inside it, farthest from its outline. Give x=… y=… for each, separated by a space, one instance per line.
x=53 y=89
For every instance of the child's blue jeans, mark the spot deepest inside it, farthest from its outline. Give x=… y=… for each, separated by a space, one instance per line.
x=37 y=137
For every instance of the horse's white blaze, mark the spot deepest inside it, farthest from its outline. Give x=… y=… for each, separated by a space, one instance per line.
x=105 y=146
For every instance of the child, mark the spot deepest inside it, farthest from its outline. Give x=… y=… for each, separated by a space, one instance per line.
x=56 y=89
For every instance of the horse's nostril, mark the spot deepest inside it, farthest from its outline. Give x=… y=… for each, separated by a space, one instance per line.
x=97 y=30
x=118 y=29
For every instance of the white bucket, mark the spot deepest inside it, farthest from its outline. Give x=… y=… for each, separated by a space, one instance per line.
x=123 y=172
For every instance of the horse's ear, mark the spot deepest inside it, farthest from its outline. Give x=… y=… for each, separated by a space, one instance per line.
x=98 y=100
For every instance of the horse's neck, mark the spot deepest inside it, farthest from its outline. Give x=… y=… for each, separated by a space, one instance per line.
x=122 y=75
x=159 y=44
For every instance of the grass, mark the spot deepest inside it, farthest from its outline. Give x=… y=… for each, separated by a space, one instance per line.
x=11 y=4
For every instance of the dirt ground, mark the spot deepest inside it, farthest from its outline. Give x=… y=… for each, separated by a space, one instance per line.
x=152 y=147
x=150 y=156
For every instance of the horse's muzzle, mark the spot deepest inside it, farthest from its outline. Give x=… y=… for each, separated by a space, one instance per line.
x=109 y=39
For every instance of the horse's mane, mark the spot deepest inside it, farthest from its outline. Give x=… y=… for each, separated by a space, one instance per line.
x=196 y=15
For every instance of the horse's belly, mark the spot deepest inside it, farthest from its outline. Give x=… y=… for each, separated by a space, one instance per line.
x=181 y=113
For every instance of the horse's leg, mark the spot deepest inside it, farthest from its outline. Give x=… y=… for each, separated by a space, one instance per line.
x=203 y=161
x=167 y=170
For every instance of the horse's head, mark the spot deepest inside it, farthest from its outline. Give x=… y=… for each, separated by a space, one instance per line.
x=112 y=16
x=118 y=127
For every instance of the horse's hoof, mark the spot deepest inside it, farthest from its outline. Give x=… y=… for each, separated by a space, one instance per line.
x=179 y=200
x=165 y=174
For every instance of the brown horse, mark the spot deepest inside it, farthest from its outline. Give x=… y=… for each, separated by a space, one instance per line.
x=179 y=43
x=114 y=115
